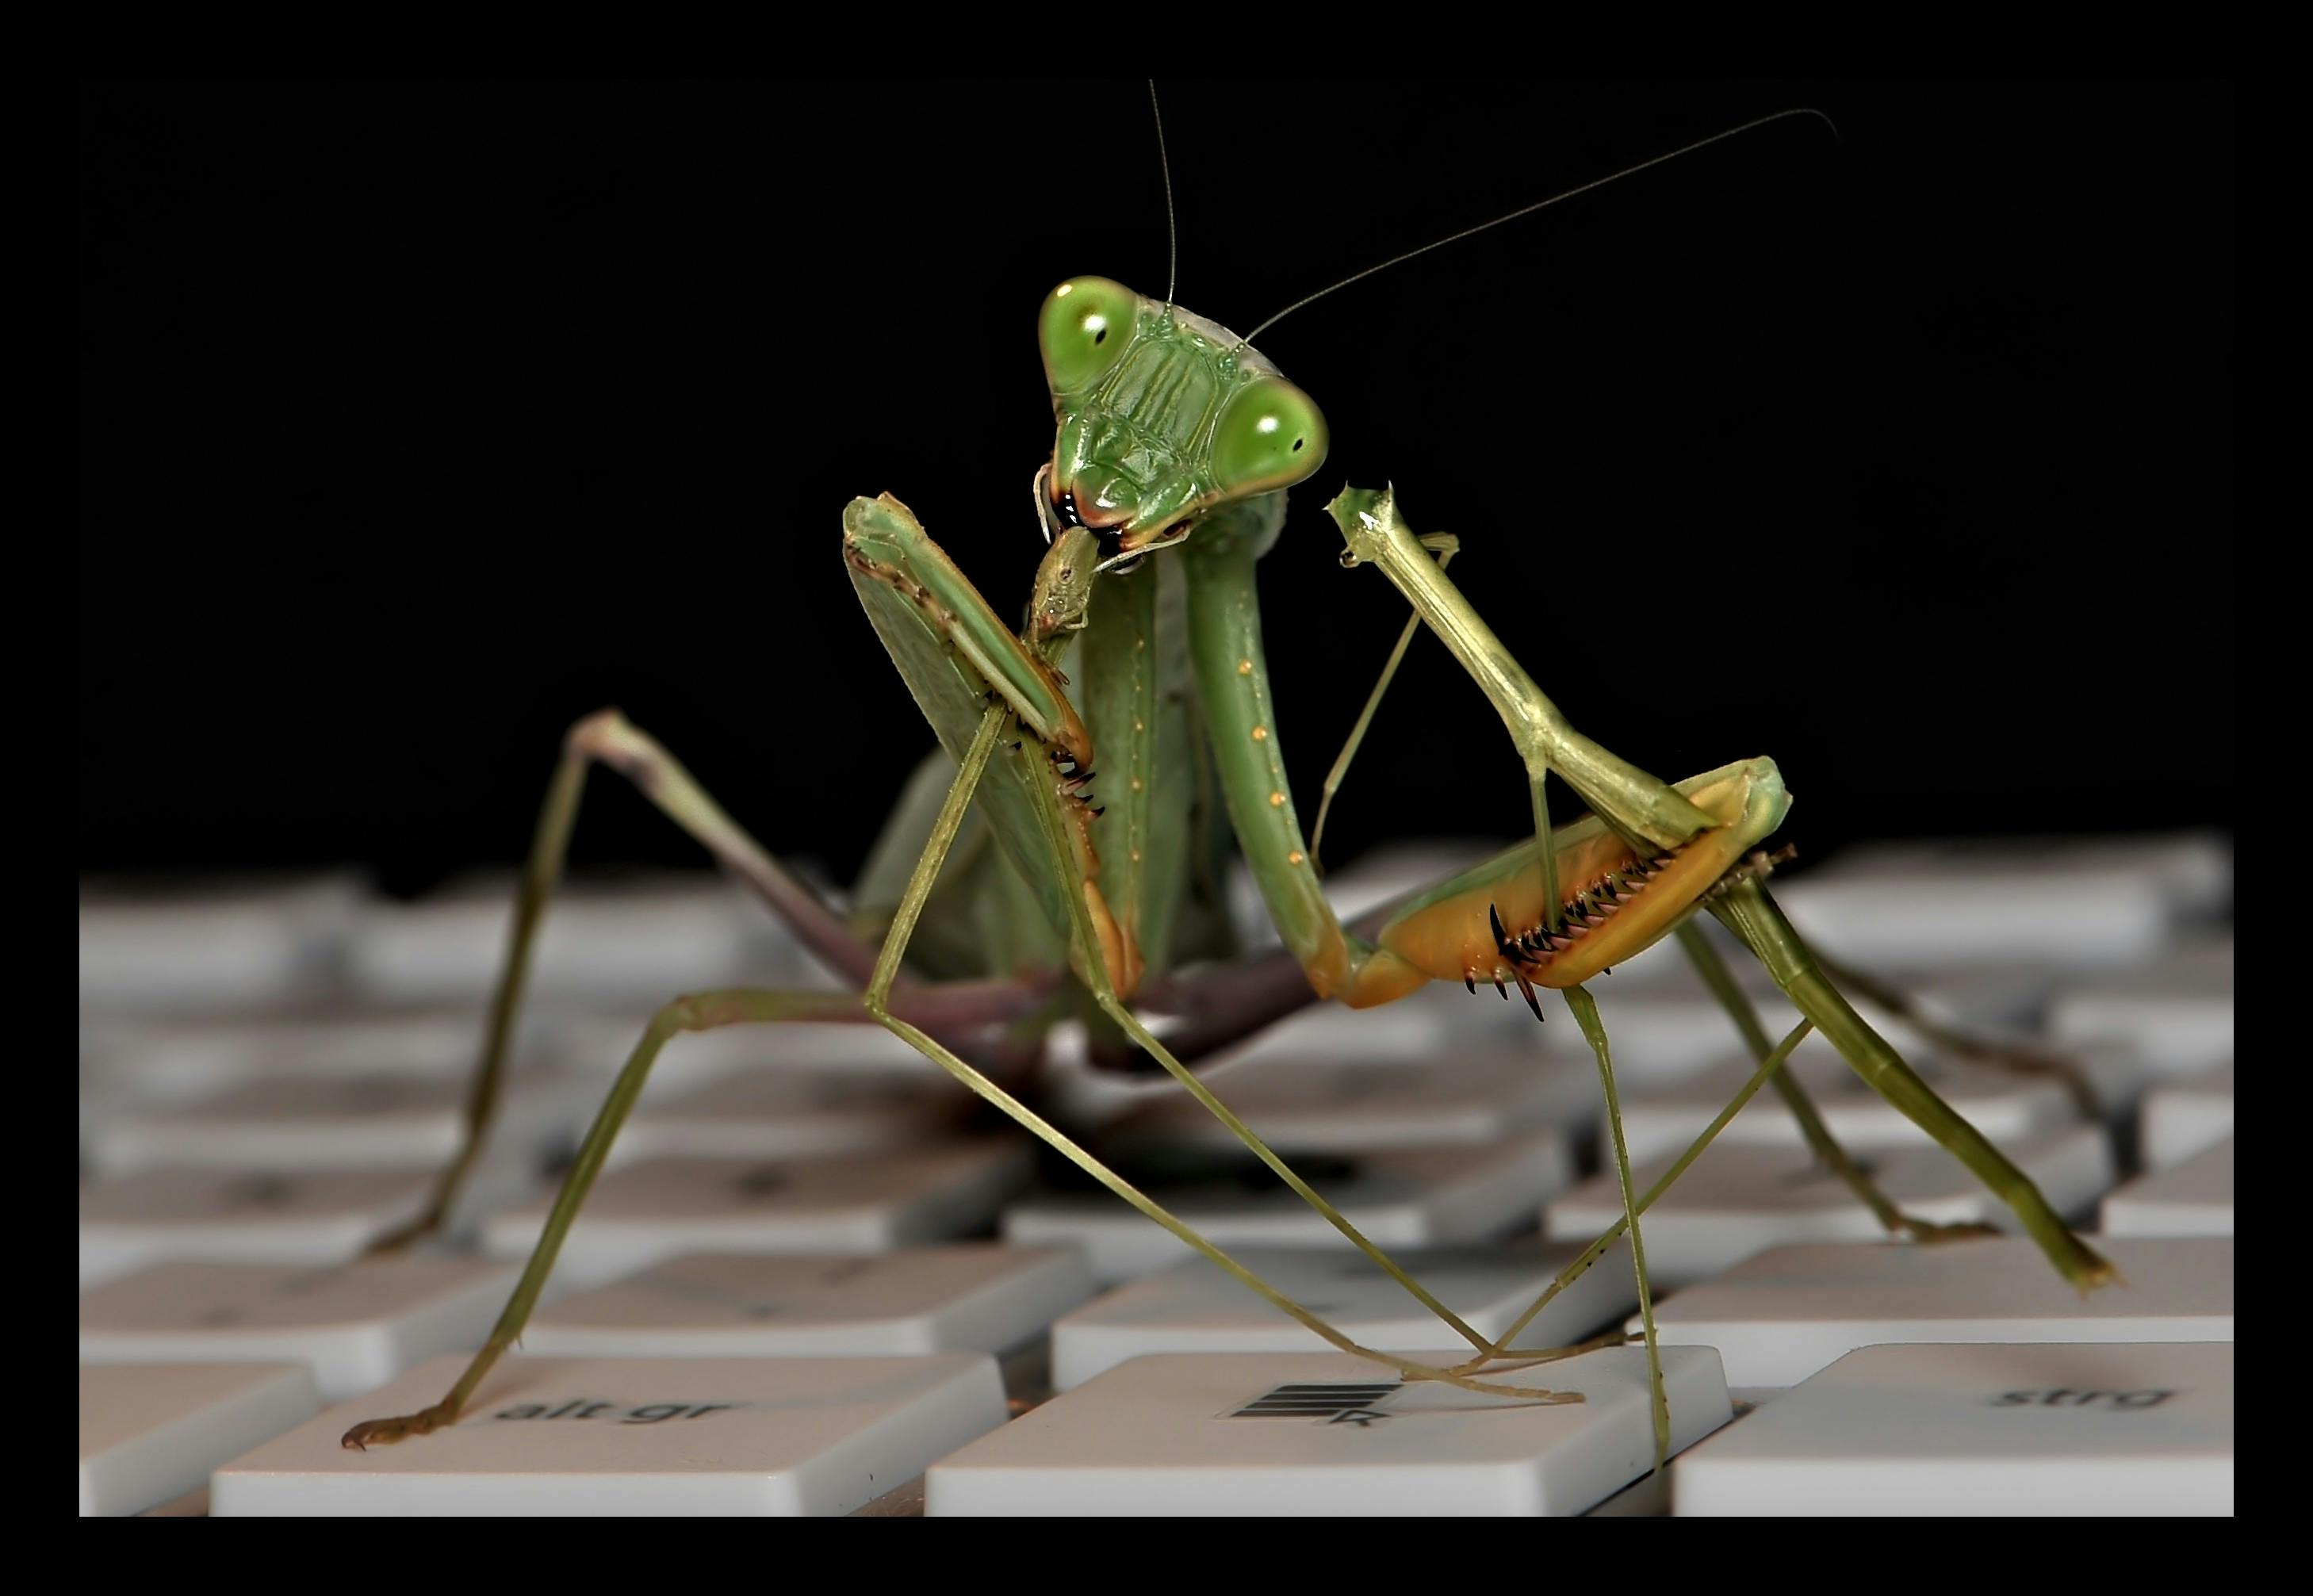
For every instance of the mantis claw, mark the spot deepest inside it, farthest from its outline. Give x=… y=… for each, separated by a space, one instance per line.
x=386 y=1432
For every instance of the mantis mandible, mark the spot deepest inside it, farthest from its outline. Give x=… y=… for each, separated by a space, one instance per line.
x=1175 y=447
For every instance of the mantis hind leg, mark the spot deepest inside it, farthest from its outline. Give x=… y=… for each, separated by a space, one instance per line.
x=608 y=739
x=708 y=1011
x=1818 y=1135
x=2009 y=1058
x=1748 y=911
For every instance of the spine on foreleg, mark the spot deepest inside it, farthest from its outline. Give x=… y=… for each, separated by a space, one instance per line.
x=1488 y=924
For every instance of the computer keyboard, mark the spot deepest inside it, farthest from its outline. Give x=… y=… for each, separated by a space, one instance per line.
x=814 y=1280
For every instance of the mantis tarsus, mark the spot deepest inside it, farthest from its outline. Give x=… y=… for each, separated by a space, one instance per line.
x=1141 y=648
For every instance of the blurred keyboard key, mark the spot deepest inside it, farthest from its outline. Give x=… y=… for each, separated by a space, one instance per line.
x=2182 y=1119
x=201 y=947
x=184 y=1060
x=871 y=1202
x=1736 y=1201
x=1432 y=1021
x=1427 y=1196
x=1921 y=905
x=603 y=1043
x=356 y=1327
x=1452 y=1100
x=785 y=1112
x=1197 y=1306
x=2177 y=1013
x=2043 y=1431
x=1781 y=1316
x=2193 y=1198
x=1671 y=1032
x=1663 y=1121
x=352 y=1123
x=605 y=942
x=631 y=1438
x=1326 y=1435
x=226 y=1216
x=2193 y=869
x=152 y=1431
x=964 y=1297
x=1980 y=996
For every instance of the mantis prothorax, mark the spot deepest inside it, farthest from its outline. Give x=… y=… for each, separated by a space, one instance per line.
x=1175 y=445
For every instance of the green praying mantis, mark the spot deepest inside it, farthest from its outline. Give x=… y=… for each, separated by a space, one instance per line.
x=1071 y=827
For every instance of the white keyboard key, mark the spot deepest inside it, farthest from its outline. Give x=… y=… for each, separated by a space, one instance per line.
x=1670 y=1031
x=1979 y=997
x=2177 y=1012
x=1427 y=1196
x=356 y=1327
x=784 y=1112
x=604 y=942
x=2117 y=1075
x=869 y=1202
x=2182 y=1119
x=1736 y=1201
x=223 y=1217
x=150 y=1432
x=102 y=1098
x=1196 y=1306
x=626 y=1438
x=965 y=1297
x=1955 y=905
x=2128 y=1429
x=2194 y=1199
x=1664 y=1027
x=210 y=946
x=2193 y=869
x=1434 y=1021
x=184 y=1060
x=1452 y=1100
x=354 y=1123
x=1662 y=1122
x=602 y=1044
x=1326 y=1435
x=1781 y=1316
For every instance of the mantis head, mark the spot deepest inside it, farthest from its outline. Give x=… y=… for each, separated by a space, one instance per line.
x=1163 y=417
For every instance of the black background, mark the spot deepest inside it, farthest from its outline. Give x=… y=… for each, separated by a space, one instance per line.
x=418 y=419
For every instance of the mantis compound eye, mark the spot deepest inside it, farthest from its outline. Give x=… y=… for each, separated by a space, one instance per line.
x=1086 y=325
x=1269 y=436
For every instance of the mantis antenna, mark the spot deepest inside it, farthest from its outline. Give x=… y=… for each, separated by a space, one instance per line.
x=1172 y=226
x=1522 y=210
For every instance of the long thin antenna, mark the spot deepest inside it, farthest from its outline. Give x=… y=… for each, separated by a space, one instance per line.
x=1172 y=230
x=1529 y=210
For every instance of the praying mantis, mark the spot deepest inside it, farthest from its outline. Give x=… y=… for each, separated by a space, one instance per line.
x=1100 y=759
